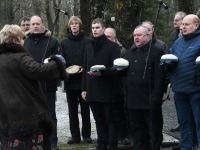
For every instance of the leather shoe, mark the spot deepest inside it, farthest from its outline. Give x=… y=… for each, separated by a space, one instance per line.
x=176 y=129
x=74 y=141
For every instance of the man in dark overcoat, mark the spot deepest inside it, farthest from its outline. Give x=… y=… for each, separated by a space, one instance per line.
x=144 y=90
x=98 y=86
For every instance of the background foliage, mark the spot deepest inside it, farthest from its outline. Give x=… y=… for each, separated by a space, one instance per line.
x=127 y=13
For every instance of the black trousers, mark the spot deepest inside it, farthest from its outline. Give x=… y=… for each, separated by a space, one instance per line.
x=51 y=102
x=74 y=99
x=147 y=128
x=122 y=118
x=106 y=123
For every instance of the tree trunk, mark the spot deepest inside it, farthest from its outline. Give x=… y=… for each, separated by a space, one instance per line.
x=85 y=16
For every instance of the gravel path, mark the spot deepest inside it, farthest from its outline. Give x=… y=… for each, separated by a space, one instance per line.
x=63 y=119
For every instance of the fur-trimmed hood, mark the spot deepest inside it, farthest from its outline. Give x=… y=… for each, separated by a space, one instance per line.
x=46 y=32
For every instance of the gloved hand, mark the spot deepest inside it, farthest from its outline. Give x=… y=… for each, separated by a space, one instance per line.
x=61 y=58
x=156 y=103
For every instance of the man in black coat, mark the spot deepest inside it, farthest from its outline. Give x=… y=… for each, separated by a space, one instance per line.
x=41 y=45
x=123 y=119
x=73 y=48
x=98 y=87
x=177 y=23
x=144 y=90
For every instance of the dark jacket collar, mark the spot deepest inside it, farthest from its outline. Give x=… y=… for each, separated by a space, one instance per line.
x=143 y=48
x=98 y=42
x=11 y=48
x=78 y=37
x=192 y=35
x=45 y=33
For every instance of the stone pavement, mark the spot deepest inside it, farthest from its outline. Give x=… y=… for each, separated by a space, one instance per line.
x=169 y=116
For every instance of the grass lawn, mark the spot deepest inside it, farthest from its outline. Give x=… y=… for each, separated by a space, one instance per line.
x=80 y=146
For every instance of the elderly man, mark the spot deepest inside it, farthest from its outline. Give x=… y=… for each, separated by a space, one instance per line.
x=177 y=23
x=40 y=45
x=123 y=119
x=144 y=93
x=185 y=79
x=110 y=33
x=152 y=34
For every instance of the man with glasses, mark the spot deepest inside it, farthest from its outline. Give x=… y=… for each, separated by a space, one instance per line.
x=177 y=23
x=25 y=24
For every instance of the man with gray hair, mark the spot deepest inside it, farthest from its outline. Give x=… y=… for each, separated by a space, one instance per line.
x=149 y=25
x=144 y=92
x=177 y=23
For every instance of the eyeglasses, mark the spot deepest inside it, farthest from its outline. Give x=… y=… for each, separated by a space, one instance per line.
x=176 y=20
x=25 y=25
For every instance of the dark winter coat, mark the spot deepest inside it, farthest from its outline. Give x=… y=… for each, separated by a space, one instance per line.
x=141 y=90
x=73 y=49
x=23 y=105
x=173 y=37
x=36 y=45
x=100 y=88
x=185 y=77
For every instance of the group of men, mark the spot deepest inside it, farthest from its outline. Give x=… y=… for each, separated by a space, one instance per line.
x=111 y=93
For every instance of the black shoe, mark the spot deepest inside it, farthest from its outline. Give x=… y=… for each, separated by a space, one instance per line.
x=74 y=141
x=178 y=147
x=87 y=140
x=54 y=146
x=176 y=129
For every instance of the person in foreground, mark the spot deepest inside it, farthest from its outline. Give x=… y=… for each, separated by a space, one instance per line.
x=185 y=79
x=24 y=120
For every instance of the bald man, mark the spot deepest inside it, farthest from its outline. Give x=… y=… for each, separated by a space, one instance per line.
x=185 y=79
x=123 y=119
x=110 y=33
x=36 y=43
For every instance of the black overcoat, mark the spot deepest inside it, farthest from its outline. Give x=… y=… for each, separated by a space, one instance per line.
x=73 y=49
x=100 y=88
x=140 y=89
